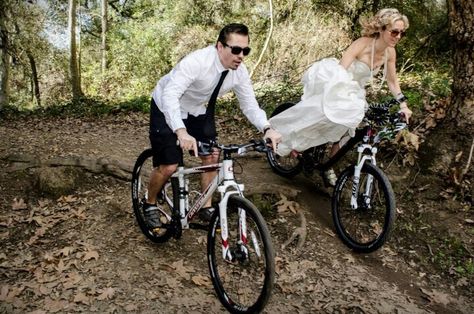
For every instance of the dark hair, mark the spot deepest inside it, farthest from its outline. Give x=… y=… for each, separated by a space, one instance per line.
x=233 y=28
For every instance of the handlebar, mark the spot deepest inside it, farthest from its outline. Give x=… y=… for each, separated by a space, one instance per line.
x=379 y=113
x=239 y=149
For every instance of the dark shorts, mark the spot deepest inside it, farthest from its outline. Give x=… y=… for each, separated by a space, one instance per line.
x=163 y=140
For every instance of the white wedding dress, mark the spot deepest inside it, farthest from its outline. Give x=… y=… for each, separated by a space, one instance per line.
x=332 y=104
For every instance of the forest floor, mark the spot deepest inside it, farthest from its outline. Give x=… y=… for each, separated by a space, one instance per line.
x=83 y=251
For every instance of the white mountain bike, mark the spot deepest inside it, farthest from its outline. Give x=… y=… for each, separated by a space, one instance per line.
x=240 y=253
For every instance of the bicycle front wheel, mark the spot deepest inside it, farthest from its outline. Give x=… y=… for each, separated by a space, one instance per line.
x=285 y=166
x=363 y=221
x=244 y=279
x=140 y=179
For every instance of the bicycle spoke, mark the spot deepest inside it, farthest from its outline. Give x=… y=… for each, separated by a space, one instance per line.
x=140 y=178
x=244 y=280
x=367 y=226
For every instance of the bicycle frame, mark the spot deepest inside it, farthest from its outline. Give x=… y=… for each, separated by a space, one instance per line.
x=224 y=182
x=366 y=153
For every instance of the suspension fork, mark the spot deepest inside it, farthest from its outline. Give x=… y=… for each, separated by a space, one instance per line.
x=363 y=157
x=226 y=254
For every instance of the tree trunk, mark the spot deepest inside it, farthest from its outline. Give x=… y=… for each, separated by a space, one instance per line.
x=73 y=62
x=5 y=63
x=34 y=78
x=448 y=150
x=461 y=18
x=104 y=36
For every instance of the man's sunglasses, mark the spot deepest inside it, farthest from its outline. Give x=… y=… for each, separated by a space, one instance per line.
x=236 y=50
x=395 y=33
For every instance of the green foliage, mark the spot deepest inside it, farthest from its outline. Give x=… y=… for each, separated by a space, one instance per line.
x=86 y=107
x=450 y=253
x=146 y=38
x=139 y=57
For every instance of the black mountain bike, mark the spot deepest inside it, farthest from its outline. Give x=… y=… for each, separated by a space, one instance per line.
x=363 y=202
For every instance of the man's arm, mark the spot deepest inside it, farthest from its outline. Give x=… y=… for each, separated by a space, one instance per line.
x=180 y=78
x=251 y=109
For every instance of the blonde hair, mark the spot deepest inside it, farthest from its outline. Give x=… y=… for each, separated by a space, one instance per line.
x=372 y=26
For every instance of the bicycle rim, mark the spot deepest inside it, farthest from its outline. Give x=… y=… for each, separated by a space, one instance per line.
x=140 y=178
x=243 y=284
x=366 y=228
x=285 y=166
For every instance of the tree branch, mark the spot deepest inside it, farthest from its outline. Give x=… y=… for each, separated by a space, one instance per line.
x=265 y=46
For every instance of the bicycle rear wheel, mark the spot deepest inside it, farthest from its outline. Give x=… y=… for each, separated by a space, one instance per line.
x=285 y=166
x=244 y=282
x=367 y=227
x=140 y=178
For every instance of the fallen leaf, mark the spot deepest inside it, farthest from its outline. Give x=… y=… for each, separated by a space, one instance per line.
x=90 y=255
x=181 y=269
x=436 y=296
x=48 y=257
x=66 y=251
x=54 y=306
x=107 y=293
x=82 y=298
x=43 y=203
x=469 y=221
x=37 y=312
x=131 y=308
x=44 y=290
x=4 y=292
x=5 y=235
x=61 y=267
x=458 y=157
x=19 y=204
x=201 y=280
x=71 y=280
x=67 y=199
x=202 y=239
x=349 y=258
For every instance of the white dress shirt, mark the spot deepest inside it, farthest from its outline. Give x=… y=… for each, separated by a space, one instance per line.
x=189 y=86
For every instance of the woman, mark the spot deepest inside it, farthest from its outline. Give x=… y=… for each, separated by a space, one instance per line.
x=333 y=100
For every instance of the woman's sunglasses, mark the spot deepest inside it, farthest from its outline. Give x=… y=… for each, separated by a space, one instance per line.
x=395 y=33
x=236 y=50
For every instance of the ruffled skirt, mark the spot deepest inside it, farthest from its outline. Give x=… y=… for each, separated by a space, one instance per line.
x=332 y=104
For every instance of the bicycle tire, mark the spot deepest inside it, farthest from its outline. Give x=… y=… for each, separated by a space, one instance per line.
x=140 y=174
x=368 y=227
x=253 y=297
x=285 y=166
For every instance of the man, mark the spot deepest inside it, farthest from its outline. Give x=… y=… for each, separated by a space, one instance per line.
x=179 y=112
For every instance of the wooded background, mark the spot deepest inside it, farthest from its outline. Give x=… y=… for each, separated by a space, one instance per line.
x=53 y=51
x=112 y=52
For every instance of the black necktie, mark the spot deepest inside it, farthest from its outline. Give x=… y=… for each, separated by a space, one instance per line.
x=210 y=125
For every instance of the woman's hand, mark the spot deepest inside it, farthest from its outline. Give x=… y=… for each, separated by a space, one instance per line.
x=406 y=111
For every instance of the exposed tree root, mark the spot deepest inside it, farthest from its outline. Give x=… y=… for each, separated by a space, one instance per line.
x=300 y=232
x=101 y=165
x=117 y=169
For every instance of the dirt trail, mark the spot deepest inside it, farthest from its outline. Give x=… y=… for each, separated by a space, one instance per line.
x=84 y=251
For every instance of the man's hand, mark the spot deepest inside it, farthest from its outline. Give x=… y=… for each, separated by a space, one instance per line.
x=274 y=137
x=186 y=141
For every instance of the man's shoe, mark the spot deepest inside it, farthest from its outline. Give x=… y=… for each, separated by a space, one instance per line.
x=205 y=213
x=152 y=215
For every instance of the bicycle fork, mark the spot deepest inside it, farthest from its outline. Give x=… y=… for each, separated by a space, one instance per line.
x=229 y=182
x=361 y=160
